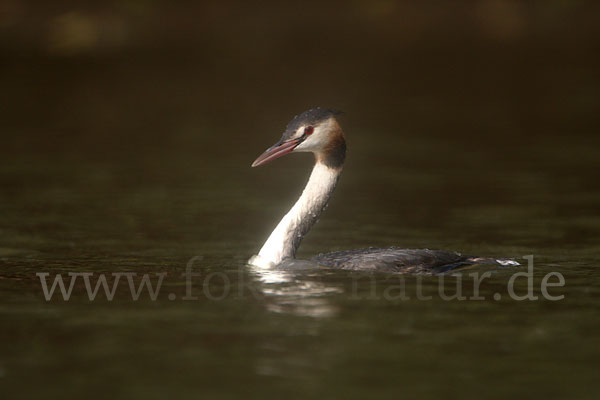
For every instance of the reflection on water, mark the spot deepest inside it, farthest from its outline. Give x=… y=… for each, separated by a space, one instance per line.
x=271 y=275
x=289 y=289
x=302 y=299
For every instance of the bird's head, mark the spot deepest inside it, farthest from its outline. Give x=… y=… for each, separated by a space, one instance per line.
x=316 y=131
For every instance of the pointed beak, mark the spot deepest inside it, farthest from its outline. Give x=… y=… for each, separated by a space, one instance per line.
x=278 y=150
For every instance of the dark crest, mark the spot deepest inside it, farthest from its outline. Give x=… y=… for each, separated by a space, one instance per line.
x=310 y=117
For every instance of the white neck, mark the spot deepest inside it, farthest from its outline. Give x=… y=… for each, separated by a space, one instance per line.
x=286 y=238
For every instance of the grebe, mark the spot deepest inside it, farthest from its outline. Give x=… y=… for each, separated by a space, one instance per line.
x=317 y=131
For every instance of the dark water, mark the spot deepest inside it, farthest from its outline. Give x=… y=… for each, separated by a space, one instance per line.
x=316 y=332
x=473 y=137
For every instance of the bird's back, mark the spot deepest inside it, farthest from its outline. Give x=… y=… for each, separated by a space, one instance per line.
x=398 y=260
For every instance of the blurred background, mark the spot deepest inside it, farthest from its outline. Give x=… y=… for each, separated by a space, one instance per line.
x=128 y=129
x=98 y=96
x=108 y=77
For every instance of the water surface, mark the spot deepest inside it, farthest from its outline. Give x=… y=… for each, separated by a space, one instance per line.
x=469 y=129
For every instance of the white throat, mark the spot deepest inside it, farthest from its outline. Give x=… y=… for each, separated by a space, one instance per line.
x=286 y=238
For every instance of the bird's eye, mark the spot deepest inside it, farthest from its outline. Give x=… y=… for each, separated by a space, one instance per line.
x=308 y=130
